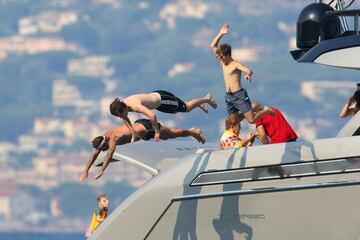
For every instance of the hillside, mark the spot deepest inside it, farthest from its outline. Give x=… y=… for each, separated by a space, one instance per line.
x=145 y=41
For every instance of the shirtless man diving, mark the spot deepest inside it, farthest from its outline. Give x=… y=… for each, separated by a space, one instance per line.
x=121 y=135
x=237 y=99
x=160 y=100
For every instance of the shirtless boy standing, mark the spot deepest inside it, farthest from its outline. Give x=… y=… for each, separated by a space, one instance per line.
x=236 y=98
x=160 y=100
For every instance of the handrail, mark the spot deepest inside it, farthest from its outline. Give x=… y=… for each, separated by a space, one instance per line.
x=267 y=190
x=352 y=12
x=136 y=163
x=133 y=162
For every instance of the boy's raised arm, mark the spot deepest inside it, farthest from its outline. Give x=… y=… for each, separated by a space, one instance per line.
x=214 y=44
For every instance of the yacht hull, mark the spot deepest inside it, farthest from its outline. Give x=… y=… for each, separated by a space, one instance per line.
x=299 y=190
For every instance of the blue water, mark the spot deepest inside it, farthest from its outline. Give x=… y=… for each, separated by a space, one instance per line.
x=42 y=236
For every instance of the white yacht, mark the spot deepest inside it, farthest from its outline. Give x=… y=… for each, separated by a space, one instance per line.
x=296 y=190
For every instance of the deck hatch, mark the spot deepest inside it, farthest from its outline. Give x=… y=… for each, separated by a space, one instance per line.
x=281 y=171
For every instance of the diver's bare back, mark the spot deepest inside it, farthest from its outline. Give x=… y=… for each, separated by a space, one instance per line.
x=117 y=132
x=232 y=77
x=149 y=100
x=122 y=134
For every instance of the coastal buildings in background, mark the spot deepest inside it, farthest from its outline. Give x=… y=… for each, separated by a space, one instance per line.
x=86 y=54
x=56 y=150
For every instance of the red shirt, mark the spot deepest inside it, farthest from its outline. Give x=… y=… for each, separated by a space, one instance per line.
x=277 y=128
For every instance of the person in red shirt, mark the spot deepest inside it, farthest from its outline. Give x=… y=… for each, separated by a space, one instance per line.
x=274 y=127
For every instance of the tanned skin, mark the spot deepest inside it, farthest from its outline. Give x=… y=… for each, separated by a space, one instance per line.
x=122 y=135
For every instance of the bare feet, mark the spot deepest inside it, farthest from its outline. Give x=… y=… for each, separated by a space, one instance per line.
x=100 y=173
x=83 y=176
x=204 y=108
x=198 y=134
x=211 y=100
x=269 y=110
x=157 y=137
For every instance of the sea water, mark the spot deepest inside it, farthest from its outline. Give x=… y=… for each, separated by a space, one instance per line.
x=42 y=236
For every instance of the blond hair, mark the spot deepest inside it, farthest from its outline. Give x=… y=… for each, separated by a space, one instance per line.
x=233 y=119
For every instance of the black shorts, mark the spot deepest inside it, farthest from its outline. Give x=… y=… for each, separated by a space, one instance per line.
x=238 y=102
x=170 y=103
x=150 y=132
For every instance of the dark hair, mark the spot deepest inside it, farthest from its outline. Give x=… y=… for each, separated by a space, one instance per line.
x=357 y=98
x=97 y=141
x=103 y=195
x=117 y=107
x=224 y=49
x=232 y=120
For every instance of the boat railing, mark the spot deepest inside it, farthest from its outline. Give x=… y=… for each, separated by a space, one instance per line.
x=348 y=13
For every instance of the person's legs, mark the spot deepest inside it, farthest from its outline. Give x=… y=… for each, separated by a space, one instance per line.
x=169 y=103
x=239 y=102
x=144 y=129
x=170 y=133
x=88 y=233
x=199 y=102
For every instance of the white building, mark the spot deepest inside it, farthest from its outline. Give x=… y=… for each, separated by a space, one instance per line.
x=64 y=94
x=5 y=150
x=44 y=126
x=48 y=22
x=26 y=45
x=93 y=66
x=6 y=194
